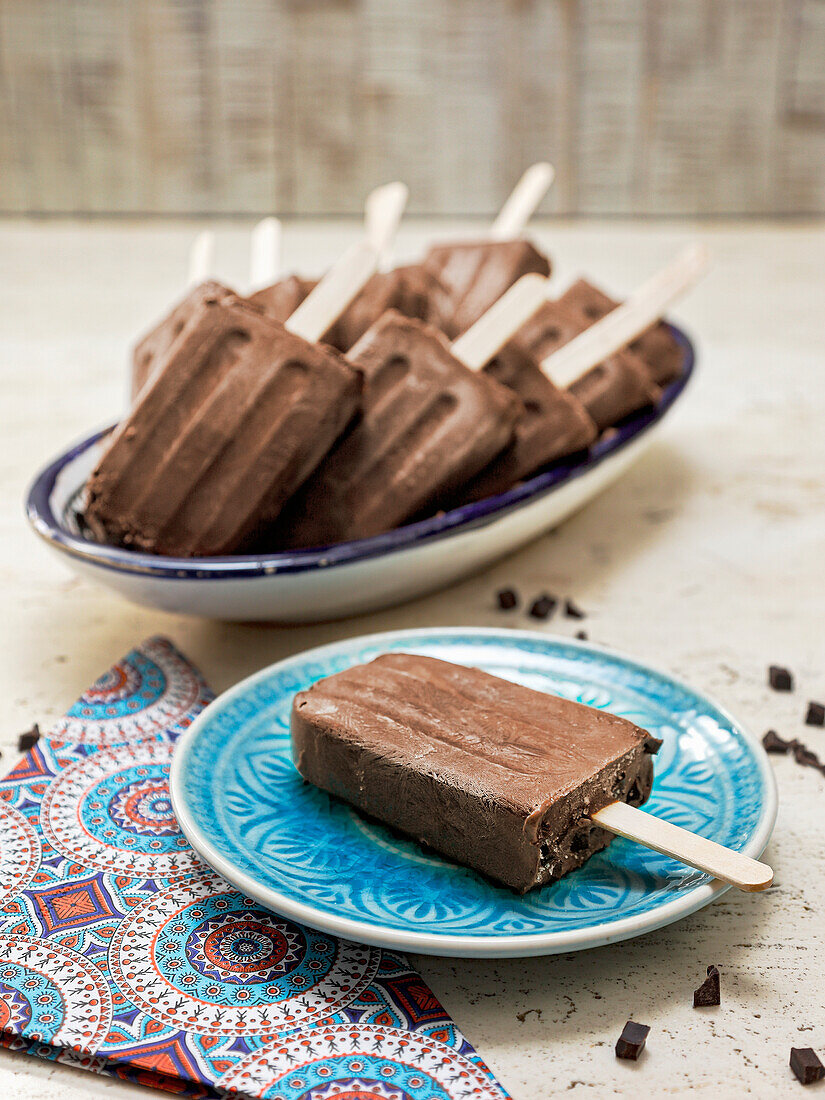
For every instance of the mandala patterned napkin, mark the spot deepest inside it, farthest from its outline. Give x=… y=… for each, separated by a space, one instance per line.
x=123 y=953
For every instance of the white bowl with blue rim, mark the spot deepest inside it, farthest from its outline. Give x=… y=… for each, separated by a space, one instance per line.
x=347 y=578
x=313 y=858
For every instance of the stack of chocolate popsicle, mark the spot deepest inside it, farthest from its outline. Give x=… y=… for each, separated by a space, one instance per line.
x=312 y=412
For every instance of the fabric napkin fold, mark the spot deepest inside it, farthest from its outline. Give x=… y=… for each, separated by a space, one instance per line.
x=122 y=953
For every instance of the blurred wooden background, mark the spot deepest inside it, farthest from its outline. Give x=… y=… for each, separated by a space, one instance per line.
x=300 y=106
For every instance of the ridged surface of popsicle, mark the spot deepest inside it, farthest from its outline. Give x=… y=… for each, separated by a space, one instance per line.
x=231 y=424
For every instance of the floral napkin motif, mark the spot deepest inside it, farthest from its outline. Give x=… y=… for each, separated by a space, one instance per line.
x=121 y=952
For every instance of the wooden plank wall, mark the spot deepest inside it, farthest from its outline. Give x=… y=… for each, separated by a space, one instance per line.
x=300 y=106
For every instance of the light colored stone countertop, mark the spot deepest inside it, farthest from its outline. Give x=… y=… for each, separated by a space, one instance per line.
x=707 y=559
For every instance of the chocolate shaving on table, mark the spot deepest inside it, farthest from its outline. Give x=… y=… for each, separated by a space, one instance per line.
x=772 y=742
x=572 y=611
x=582 y=635
x=779 y=678
x=803 y=755
x=543 y=606
x=815 y=715
x=709 y=993
x=806 y=1065
x=507 y=599
x=631 y=1042
x=28 y=739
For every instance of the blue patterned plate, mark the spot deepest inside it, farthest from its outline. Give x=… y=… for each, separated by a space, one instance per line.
x=306 y=855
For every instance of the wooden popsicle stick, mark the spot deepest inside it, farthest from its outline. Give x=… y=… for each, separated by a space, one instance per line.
x=264 y=253
x=324 y=305
x=696 y=851
x=646 y=305
x=502 y=320
x=382 y=214
x=201 y=257
x=523 y=202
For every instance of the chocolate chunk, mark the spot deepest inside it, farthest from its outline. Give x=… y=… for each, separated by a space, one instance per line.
x=507 y=599
x=631 y=1042
x=772 y=742
x=543 y=607
x=708 y=995
x=780 y=678
x=28 y=739
x=652 y=745
x=806 y=1065
x=803 y=755
x=582 y=635
x=573 y=612
x=815 y=715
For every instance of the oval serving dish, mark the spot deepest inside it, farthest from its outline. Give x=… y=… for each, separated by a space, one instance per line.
x=348 y=578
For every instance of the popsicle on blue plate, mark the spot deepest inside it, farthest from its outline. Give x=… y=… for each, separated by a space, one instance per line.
x=518 y=784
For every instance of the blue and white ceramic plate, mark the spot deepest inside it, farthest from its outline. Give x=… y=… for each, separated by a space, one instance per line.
x=311 y=857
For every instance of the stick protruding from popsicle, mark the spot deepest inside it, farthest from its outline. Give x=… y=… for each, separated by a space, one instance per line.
x=327 y=301
x=201 y=257
x=265 y=253
x=645 y=306
x=690 y=848
x=522 y=202
x=502 y=320
x=383 y=210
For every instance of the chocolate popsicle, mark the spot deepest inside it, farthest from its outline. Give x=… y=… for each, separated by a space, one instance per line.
x=231 y=423
x=407 y=290
x=656 y=347
x=472 y=275
x=552 y=424
x=496 y=776
x=556 y=421
x=430 y=422
x=281 y=299
x=152 y=347
x=611 y=390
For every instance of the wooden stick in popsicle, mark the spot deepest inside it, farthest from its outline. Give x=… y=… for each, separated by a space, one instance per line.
x=382 y=213
x=646 y=305
x=264 y=253
x=690 y=848
x=502 y=321
x=327 y=301
x=201 y=257
x=523 y=202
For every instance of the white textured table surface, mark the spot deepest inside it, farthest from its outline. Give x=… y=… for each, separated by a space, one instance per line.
x=707 y=559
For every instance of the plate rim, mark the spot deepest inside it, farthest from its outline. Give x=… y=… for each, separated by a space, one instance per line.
x=450 y=945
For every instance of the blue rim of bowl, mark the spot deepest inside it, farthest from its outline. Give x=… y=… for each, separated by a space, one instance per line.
x=234 y=566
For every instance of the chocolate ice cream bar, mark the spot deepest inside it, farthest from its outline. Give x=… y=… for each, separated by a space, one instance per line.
x=610 y=391
x=473 y=275
x=494 y=775
x=155 y=344
x=280 y=300
x=552 y=424
x=232 y=422
x=656 y=347
x=428 y=425
x=405 y=289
